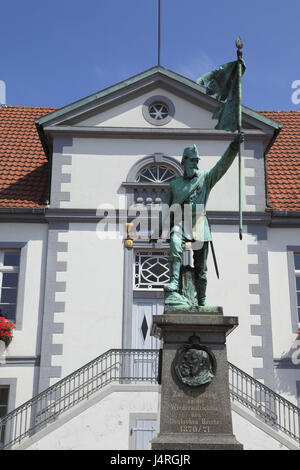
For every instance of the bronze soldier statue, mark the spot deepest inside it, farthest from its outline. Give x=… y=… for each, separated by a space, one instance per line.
x=193 y=189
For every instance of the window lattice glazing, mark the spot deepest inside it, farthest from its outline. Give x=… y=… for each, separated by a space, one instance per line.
x=156 y=174
x=9 y=274
x=158 y=111
x=151 y=270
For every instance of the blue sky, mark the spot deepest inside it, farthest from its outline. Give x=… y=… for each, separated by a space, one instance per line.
x=53 y=53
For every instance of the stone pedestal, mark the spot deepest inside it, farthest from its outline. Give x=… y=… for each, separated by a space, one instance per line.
x=193 y=416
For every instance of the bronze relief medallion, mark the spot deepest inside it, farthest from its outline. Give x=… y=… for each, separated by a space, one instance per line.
x=194 y=364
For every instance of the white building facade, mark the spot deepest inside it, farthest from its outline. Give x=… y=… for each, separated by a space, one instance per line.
x=77 y=290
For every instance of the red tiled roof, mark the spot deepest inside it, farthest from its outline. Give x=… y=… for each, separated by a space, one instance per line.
x=23 y=164
x=24 y=167
x=283 y=162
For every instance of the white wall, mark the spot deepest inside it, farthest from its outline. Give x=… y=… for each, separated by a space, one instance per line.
x=93 y=298
x=252 y=437
x=99 y=166
x=231 y=292
x=283 y=308
x=278 y=240
x=130 y=114
x=285 y=383
x=103 y=425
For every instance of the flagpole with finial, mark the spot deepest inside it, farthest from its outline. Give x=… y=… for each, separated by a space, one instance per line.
x=158 y=52
x=239 y=45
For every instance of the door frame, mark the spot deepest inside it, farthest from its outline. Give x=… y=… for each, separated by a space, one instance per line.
x=129 y=293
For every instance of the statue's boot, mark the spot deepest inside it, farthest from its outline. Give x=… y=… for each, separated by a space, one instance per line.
x=201 y=284
x=173 y=285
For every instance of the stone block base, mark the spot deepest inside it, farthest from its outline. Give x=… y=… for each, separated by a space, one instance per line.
x=187 y=442
x=195 y=408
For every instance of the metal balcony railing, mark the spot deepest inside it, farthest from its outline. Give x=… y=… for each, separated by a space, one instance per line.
x=116 y=365
x=271 y=408
x=137 y=366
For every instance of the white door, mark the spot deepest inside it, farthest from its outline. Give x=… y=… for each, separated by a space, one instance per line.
x=143 y=311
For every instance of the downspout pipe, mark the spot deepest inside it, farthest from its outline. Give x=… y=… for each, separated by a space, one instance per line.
x=271 y=142
x=48 y=152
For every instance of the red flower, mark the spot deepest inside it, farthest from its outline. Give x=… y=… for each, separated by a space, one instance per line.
x=6 y=328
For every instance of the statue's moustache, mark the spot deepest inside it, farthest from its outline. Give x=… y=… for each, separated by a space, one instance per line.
x=190 y=172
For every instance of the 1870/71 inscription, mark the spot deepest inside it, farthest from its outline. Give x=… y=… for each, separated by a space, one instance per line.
x=194 y=365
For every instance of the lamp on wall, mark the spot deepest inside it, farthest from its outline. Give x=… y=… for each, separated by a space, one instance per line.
x=128 y=241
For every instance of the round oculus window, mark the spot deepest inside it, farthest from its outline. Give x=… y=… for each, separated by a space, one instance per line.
x=158 y=111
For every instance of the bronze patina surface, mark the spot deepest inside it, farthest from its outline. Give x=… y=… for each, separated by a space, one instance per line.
x=194 y=364
x=190 y=192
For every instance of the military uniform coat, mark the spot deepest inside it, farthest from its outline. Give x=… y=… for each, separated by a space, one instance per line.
x=195 y=192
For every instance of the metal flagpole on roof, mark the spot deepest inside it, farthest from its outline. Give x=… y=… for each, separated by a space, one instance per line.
x=159 y=16
x=239 y=45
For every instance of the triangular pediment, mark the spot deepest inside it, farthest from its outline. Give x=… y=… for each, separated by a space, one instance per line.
x=122 y=105
x=134 y=112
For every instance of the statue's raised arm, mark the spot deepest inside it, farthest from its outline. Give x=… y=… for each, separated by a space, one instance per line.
x=219 y=170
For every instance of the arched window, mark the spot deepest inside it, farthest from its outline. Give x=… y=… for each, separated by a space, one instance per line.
x=156 y=174
x=149 y=178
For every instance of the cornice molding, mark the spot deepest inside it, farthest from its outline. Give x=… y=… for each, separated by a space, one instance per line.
x=150 y=133
x=47 y=215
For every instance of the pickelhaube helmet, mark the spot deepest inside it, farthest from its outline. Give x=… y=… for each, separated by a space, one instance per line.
x=190 y=152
